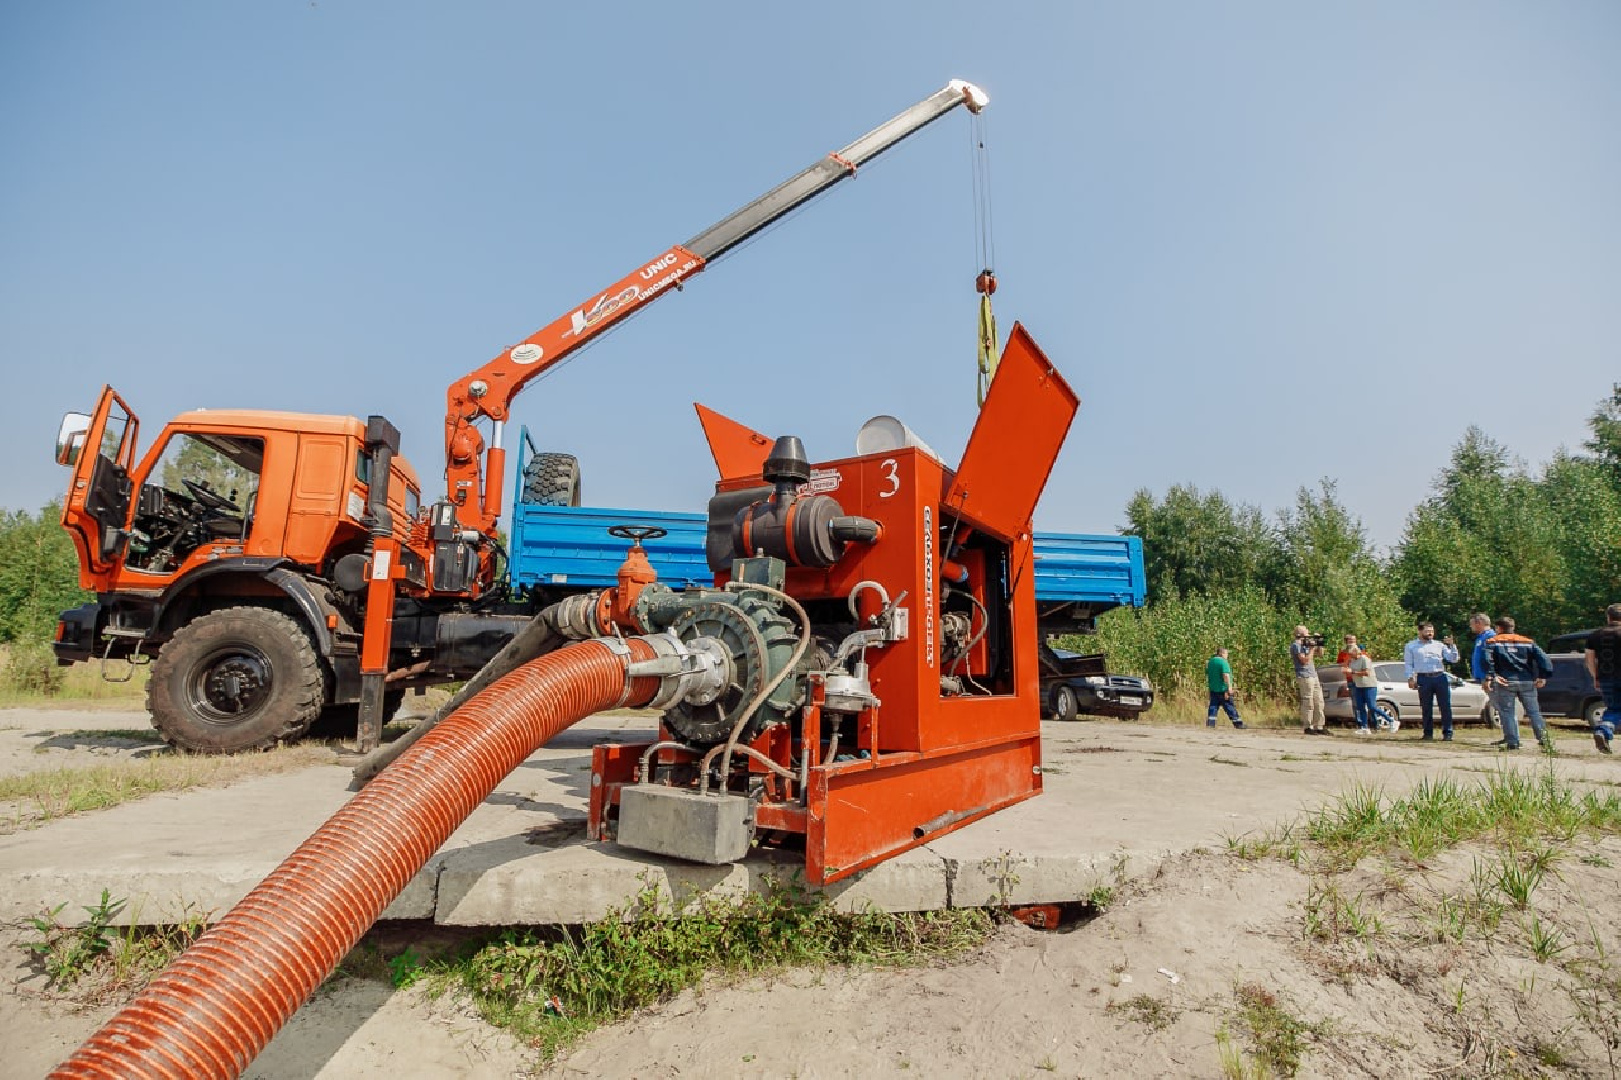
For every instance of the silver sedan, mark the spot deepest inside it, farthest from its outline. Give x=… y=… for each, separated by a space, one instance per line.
x=1469 y=701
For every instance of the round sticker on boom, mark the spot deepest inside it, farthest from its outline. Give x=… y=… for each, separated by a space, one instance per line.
x=526 y=354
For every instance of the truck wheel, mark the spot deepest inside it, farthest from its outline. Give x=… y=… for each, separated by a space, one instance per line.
x=245 y=678
x=552 y=480
x=1064 y=704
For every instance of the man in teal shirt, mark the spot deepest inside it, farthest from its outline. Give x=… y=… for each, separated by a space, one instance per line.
x=1219 y=678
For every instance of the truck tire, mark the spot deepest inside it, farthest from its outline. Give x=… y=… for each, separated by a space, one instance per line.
x=552 y=480
x=1064 y=703
x=1593 y=711
x=244 y=678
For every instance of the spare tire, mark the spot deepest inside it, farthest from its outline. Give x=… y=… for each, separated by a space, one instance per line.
x=552 y=480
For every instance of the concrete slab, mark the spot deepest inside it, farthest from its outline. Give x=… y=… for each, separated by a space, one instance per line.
x=1120 y=798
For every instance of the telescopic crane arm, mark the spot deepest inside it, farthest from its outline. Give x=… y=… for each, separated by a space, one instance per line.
x=473 y=478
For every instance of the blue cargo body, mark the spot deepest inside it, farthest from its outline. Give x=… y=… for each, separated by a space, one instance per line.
x=1087 y=569
x=570 y=546
x=568 y=549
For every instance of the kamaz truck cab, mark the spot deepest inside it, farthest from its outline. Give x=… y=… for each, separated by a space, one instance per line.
x=224 y=551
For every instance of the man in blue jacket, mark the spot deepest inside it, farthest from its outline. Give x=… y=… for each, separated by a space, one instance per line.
x=1515 y=669
x=1480 y=624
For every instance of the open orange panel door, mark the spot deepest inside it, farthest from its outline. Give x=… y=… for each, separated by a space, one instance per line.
x=1014 y=443
x=739 y=451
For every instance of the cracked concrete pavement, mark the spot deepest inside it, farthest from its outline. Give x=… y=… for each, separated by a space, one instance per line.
x=1120 y=798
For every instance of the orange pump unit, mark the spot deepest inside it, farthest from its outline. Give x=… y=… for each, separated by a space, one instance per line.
x=864 y=678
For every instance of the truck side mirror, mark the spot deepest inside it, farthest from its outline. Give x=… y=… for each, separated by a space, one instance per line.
x=70 y=438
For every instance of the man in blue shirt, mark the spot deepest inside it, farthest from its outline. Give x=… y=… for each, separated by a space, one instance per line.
x=1480 y=624
x=1425 y=663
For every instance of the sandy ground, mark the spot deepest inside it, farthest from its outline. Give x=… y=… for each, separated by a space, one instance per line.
x=1142 y=990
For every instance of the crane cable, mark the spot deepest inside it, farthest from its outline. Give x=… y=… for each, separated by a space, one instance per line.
x=984 y=255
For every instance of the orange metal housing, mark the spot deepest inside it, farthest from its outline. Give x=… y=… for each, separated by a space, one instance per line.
x=928 y=761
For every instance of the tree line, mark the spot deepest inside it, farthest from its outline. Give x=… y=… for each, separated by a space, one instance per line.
x=1493 y=535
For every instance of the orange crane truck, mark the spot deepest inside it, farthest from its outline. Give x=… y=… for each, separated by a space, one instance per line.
x=272 y=565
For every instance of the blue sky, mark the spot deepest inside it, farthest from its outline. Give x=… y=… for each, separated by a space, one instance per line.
x=1266 y=242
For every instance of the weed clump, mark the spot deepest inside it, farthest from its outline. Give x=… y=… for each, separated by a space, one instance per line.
x=96 y=961
x=553 y=987
x=1277 y=1038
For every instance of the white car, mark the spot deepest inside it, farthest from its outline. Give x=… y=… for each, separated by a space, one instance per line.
x=1469 y=700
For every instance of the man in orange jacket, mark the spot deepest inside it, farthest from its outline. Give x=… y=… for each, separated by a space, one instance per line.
x=1515 y=669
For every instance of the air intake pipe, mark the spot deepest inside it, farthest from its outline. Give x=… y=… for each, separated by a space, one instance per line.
x=216 y=1007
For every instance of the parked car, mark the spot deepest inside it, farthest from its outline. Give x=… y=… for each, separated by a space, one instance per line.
x=1570 y=691
x=1072 y=683
x=1469 y=700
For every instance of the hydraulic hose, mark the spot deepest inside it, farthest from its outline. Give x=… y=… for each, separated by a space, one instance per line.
x=221 y=1001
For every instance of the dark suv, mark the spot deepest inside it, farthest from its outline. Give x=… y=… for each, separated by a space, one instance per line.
x=1570 y=692
x=1072 y=683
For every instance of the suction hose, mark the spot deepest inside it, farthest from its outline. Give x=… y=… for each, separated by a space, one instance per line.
x=212 y=1011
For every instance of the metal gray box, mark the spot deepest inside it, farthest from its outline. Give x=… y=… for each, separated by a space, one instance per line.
x=713 y=829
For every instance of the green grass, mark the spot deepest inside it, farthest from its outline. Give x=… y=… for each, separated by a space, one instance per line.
x=1547 y=942
x=1516 y=809
x=1331 y=915
x=1235 y=1064
x=29 y=676
x=48 y=794
x=552 y=988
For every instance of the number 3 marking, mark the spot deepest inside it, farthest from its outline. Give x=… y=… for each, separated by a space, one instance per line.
x=889 y=467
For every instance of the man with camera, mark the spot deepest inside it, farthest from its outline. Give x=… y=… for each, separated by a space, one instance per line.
x=1304 y=652
x=1425 y=662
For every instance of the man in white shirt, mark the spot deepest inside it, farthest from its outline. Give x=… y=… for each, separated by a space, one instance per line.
x=1425 y=662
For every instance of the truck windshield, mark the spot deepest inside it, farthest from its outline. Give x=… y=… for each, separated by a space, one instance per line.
x=201 y=489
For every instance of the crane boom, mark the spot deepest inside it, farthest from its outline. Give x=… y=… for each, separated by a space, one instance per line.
x=474 y=483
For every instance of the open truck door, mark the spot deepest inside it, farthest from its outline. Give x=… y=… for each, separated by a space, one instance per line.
x=100 y=449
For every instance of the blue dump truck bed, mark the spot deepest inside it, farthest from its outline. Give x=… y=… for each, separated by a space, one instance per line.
x=563 y=549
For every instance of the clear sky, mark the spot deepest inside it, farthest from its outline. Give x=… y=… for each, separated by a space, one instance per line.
x=1266 y=242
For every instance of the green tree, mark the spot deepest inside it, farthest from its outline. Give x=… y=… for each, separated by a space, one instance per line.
x=1197 y=543
x=1496 y=538
x=1605 y=443
x=39 y=574
x=1332 y=580
x=1585 y=506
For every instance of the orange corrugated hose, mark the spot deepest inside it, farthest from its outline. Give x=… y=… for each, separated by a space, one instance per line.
x=214 y=1009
